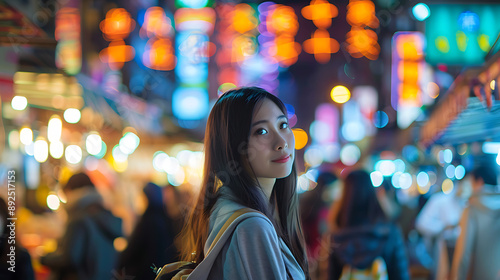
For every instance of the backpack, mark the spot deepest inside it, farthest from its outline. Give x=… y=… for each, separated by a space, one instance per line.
x=377 y=271
x=185 y=269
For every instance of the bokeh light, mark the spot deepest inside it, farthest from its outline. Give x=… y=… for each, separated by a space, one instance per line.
x=301 y=138
x=53 y=202
x=381 y=119
x=422 y=179
x=313 y=156
x=450 y=171
x=405 y=180
x=350 y=154
x=129 y=142
x=447 y=186
x=19 y=103
x=421 y=11
x=72 y=115
x=41 y=150
x=386 y=167
x=118 y=155
x=225 y=87
x=93 y=144
x=73 y=154
x=447 y=155
x=340 y=94
x=26 y=136
x=54 y=129
x=56 y=149
x=459 y=172
x=377 y=178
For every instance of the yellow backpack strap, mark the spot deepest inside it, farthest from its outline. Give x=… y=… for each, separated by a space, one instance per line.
x=229 y=221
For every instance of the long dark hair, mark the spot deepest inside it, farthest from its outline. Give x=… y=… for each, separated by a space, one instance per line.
x=226 y=156
x=359 y=205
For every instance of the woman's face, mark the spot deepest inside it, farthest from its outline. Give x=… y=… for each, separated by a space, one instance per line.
x=271 y=145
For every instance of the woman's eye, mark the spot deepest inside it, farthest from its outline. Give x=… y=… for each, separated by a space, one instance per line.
x=261 y=131
x=284 y=125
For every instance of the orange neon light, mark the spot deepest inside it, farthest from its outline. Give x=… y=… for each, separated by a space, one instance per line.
x=363 y=42
x=116 y=54
x=408 y=71
x=409 y=47
x=244 y=19
x=321 y=45
x=283 y=20
x=156 y=23
x=320 y=12
x=285 y=50
x=362 y=13
x=117 y=25
x=409 y=94
x=159 y=55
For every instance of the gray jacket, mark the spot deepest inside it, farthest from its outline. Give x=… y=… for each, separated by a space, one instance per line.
x=254 y=251
x=477 y=252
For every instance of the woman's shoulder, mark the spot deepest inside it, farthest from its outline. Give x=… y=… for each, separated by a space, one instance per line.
x=257 y=222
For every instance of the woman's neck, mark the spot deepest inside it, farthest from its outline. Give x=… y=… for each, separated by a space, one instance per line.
x=267 y=185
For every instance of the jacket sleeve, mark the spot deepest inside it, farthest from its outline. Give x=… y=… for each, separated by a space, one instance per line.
x=463 y=248
x=397 y=268
x=254 y=252
x=71 y=249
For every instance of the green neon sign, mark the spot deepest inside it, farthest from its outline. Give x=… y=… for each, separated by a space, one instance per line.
x=461 y=34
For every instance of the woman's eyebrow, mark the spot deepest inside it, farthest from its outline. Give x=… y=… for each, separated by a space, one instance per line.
x=264 y=121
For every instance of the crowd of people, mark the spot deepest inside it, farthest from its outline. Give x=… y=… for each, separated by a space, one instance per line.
x=344 y=228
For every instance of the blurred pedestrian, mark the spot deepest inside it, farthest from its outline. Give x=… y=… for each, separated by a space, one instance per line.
x=477 y=251
x=438 y=224
x=314 y=206
x=363 y=237
x=152 y=240
x=86 y=250
x=15 y=261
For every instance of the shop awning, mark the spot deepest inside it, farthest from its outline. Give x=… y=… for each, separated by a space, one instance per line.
x=470 y=111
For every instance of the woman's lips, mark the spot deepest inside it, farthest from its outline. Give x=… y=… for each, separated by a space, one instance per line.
x=282 y=160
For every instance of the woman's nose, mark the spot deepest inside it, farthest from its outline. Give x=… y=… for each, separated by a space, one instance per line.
x=281 y=143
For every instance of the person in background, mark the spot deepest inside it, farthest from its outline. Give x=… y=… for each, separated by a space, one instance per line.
x=314 y=206
x=438 y=224
x=386 y=195
x=152 y=241
x=477 y=251
x=23 y=270
x=362 y=233
x=86 y=250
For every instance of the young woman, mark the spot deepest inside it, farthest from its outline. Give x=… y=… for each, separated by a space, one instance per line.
x=249 y=163
x=362 y=233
